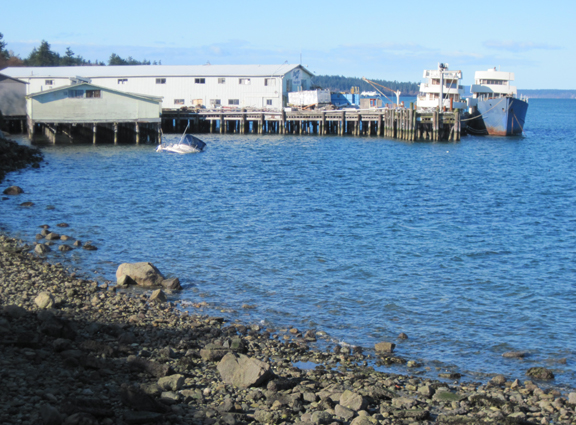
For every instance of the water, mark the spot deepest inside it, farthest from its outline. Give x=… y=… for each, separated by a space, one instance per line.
x=469 y=248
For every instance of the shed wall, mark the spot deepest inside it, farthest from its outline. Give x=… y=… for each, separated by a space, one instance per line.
x=110 y=107
x=12 y=97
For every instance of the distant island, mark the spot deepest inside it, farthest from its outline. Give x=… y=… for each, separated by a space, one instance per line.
x=548 y=94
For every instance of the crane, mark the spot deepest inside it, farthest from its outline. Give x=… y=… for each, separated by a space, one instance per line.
x=373 y=84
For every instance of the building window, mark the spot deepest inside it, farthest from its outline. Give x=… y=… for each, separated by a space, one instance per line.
x=215 y=102
x=233 y=101
x=245 y=81
x=160 y=80
x=49 y=82
x=269 y=81
x=199 y=80
x=122 y=80
x=221 y=80
x=178 y=101
x=268 y=102
x=75 y=94
x=92 y=93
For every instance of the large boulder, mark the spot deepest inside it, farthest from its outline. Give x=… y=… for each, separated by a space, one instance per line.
x=144 y=274
x=243 y=371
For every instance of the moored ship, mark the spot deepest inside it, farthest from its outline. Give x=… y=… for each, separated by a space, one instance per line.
x=495 y=110
x=442 y=84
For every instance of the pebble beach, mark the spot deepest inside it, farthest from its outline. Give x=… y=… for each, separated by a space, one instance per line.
x=75 y=351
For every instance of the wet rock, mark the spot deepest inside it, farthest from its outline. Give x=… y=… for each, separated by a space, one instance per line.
x=384 y=347
x=540 y=373
x=403 y=336
x=145 y=274
x=13 y=190
x=77 y=243
x=27 y=204
x=243 y=371
x=65 y=248
x=89 y=247
x=44 y=300
x=42 y=249
x=63 y=225
x=173 y=284
x=514 y=354
x=64 y=237
x=52 y=236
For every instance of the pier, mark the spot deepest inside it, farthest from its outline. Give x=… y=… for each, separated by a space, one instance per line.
x=406 y=124
x=394 y=123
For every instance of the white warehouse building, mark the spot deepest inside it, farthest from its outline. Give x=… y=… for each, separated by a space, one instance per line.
x=210 y=86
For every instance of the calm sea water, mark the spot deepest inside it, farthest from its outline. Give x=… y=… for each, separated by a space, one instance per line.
x=469 y=247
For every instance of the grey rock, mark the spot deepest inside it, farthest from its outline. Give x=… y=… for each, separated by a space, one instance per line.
x=353 y=401
x=41 y=249
x=344 y=412
x=514 y=354
x=52 y=236
x=65 y=248
x=171 y=383
x=243 y=371
x=145 y=274
x=50 y=415
x=158 y=297
x=125 y=281
x=321 y=417
x=44 y=300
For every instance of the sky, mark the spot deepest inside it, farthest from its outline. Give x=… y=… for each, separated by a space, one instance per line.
x=389 y=40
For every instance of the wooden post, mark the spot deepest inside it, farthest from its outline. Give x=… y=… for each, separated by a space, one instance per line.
x=457 y=123
x=115 y=133
x=137 y=129
x=222 y=124
x=94 y=132
x=358 y=124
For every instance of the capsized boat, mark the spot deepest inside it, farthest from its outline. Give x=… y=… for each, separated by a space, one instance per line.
x=187 y=144
x=494 y=107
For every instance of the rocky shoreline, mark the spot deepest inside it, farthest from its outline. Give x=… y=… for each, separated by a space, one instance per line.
x=78 y=352
x=14 y=156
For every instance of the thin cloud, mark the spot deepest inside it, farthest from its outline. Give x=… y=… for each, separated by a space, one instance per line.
x=518 y=46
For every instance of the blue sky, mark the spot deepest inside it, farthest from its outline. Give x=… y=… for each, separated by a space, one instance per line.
x=376 y=39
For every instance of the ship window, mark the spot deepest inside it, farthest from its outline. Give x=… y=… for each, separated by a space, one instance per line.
x=268 y=102
x=215 y=102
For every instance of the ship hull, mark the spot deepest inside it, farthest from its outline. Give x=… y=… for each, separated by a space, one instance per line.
x=502 y=116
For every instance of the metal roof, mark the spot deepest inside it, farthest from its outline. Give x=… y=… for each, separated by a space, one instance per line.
x=73 y=86
x=152 y=71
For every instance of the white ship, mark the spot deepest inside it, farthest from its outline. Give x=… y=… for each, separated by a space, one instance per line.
x=442 y=84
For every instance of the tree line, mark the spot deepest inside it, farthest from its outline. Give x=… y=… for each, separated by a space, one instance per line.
x=43 y=55
x=344 y=84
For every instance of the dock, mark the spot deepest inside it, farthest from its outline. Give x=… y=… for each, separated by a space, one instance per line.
x=393 y=123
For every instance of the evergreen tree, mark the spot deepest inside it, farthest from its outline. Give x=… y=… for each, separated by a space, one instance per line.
x=43 y=56
x=3 y=51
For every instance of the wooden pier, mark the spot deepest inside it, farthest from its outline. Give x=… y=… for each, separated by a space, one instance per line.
x=393 y=123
